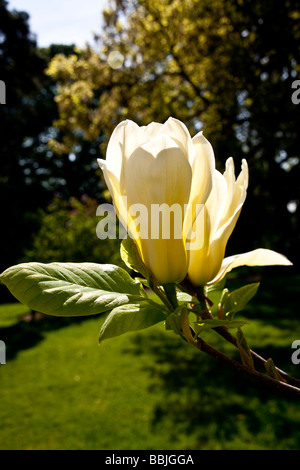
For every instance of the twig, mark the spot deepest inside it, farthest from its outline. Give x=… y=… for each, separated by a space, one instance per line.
x=286 y=388
x=292 y=384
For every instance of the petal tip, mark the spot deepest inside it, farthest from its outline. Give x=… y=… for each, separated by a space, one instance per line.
x=229 y=163
x=101 y=163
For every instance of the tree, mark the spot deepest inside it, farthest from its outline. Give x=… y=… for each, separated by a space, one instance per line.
x=68 y=233
x=31 y=174
x=21 y=70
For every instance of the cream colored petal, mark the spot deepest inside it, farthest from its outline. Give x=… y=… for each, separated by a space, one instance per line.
x=237 y=192
x=199 y=274
x=258 y=257
x=206 y=261
x=120 y=200
x=158 y=143
x=203 y=167
x=240 y=188
x=158 y=173
x=201 y=263
x=166 y=259
x=162 y=179
x=123 y=141
x=220 y=239
x=132 y=137
x=243 y=178
x=150 y=131
x=216 y=201
x=229 y=176
x=102 y=163
x=232 y=211
x=180 y=134
x=226 y=226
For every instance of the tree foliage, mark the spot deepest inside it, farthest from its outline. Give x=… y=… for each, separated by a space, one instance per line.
x=68 y=233
x=21 y=69
x=31 y=174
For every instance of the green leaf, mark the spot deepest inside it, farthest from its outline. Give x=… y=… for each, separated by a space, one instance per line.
x=173 y=321
x=213 y=293
x=215 y=287
x=244 y=350
x=183 y=297
x=131 y=257
x=72 y=289
x=131 y=317
x=143 y=281
x=178 y=321
x=232 y=302
x=212 y=323
x=272 y=371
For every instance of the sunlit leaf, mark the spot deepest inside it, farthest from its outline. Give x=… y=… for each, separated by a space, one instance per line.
x=211 y=323
x=232 y=302
x=72 y=289
x=131 y=257
x=131 y=317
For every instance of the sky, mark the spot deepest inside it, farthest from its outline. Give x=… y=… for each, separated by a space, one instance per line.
x=62 y=21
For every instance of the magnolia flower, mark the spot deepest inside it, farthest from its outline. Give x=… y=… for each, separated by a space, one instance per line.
x=158 y=166
x=217 y=221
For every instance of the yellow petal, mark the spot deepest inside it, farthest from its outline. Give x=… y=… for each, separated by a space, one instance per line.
x=120 y=201
x=216 y=201
x=229 y=176
x=201 y=262
x=203 y=166
x=123 y=141
x=258 y=257
x=158 y=173
x=179 y=134
x=236 y=190
x=166 y=259
x=205 y=256
x=236 y=195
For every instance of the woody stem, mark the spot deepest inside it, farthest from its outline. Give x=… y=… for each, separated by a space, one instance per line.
x=285 y=388
x=223 y=331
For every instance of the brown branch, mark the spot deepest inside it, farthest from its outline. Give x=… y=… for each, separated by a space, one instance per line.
x=259 y=360
x=285 y=388
x=223 y=331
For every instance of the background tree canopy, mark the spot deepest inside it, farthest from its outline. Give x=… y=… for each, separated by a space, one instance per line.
x=31 y=174
x=225 y=67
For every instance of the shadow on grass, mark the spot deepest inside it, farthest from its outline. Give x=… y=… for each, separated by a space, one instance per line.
x=216 y=407
x=30 y=330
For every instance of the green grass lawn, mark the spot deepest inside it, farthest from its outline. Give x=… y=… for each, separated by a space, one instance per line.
x=145 y=390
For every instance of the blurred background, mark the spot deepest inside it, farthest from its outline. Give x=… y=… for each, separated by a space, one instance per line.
x=227 y=67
